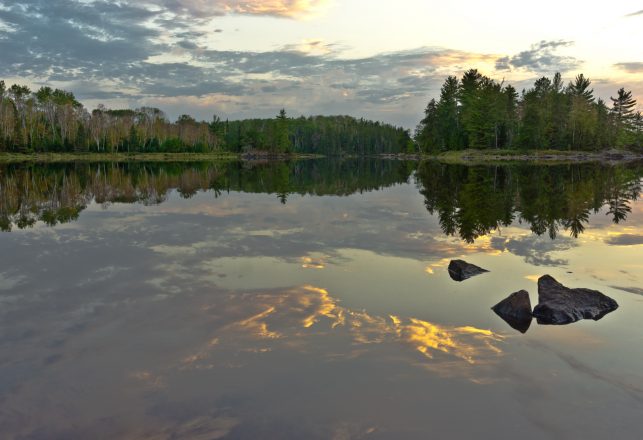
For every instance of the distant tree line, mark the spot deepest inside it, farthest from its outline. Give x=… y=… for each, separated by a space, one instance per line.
x=478 y=112
x=51 y=120
x=330 y=135
x=472 y=112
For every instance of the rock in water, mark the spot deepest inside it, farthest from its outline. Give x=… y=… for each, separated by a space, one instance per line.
x=515 y=310
x=460 y=270
x=558 y=304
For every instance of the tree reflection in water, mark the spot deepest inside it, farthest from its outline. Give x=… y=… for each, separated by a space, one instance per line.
x=473 y=201
x=470 y=201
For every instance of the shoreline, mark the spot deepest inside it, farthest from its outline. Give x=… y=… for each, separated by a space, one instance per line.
x=149 y=157
x=539 y=156
x=466 y=157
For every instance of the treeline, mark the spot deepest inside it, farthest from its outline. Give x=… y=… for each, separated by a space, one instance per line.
x=51 y=120
x=57 y=193
x=478 y=112
x=332 y=135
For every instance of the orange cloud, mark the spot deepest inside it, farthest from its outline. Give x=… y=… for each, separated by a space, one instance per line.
x=297 y=318
x=283 y=8
x=278 y=8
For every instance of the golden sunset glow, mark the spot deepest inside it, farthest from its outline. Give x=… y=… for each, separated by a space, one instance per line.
x=257 y=325
x=310 y=263
x=285 y=8
x=293 y=317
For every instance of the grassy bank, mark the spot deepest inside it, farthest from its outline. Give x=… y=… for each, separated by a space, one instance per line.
x=474 y=156
x=541 y=156
x=143 y=157
x=455 y=157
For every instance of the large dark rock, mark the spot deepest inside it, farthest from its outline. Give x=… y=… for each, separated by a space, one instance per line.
x=515 y=310
x=558 y=304
x=460 y=270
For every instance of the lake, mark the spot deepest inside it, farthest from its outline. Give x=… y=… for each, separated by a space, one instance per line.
x=311 y=300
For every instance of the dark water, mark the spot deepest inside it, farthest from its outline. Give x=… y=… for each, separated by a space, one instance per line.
x=311 y=300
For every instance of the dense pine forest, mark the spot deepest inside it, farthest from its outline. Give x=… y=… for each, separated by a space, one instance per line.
x=330 y=135
x=478 y=112
x=54 y=121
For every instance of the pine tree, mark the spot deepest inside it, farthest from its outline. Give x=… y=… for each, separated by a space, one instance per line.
x=283 y=137
x=623 y=111
x=582 y=113
x=510 y=120
x=427 y=134
x=448 y=114
x=470 y=112
x=580 y=87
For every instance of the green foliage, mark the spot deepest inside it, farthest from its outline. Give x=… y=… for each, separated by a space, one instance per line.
x=54 y=121
x=477 y=112
x=329 y=135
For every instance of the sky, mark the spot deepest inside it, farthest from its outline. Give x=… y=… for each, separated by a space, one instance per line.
x=379 y=59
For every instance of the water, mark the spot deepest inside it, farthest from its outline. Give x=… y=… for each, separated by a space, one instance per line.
x=311 y=300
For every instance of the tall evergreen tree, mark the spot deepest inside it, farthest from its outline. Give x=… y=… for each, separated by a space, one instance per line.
x=448 y=114
x=580 y=87
x=283 y=137
x=510 y=120
x=428 y=132
x=582 y=112
x=623 y=110
x=470 y=111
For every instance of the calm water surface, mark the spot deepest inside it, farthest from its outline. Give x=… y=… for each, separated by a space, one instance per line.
x=311 y=300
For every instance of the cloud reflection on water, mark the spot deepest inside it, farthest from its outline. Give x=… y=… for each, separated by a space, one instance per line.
x=297 y=317
x=212 y=313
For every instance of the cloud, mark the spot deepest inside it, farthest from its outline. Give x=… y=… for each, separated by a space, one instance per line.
x=159 y=53
x=634 y=290
x=634 y=14
x=312 y=47
x=284 y=8
x=541 y=57
x=625 y=240
x=213 y=8
x=630 y=67
x=89 y=48
x=536 y=250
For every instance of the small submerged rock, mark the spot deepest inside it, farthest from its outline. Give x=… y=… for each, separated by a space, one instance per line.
x=460 y=270
x=515 y=310
x=558 y=304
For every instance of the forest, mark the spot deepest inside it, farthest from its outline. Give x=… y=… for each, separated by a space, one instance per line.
x=472 y=112
x=478 y=112
x=51 y=120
